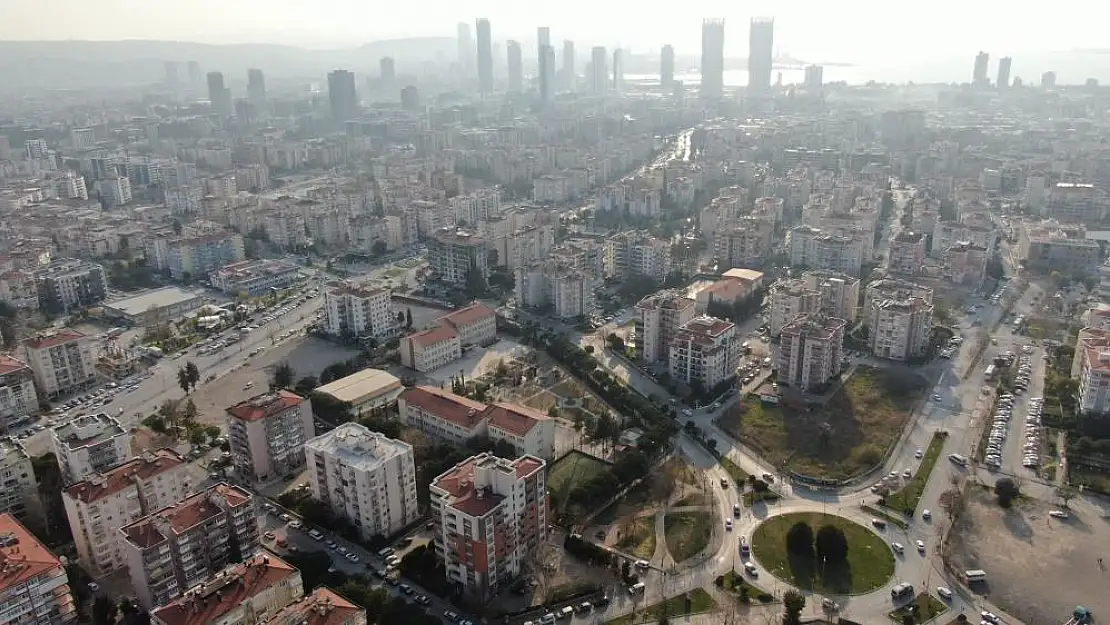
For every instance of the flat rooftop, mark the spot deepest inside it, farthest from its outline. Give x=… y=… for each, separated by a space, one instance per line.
x=357 y=446
x=157 y=298
x=87 y=430
x=361 y=386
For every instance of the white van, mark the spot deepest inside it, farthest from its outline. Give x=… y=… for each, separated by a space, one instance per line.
x=958 y=459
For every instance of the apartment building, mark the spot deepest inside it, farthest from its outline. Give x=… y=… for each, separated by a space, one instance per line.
x=322 y=607
x=247 y=593
x=18 y=400
x=900 y=329
x=176 y=548
x=907 y=253
x=1091 y=366
x=267 y=434
x=1077 y=203
x=635 y=253
x=364 y=477
x=19 y=289
x=966 y=263
x=748 y=243
x=1050 y=246
x=790 y=298
x=89 y=444
x=892 y=289
x=358 y=311
x=809 y=352
x=490 y=516
x=98 y=506
x=70 y=284
x=454 y=254
x=197 y=257
x=658 y=318
x=839 y=293
x=704 y=352
x=451 y=418
x=34 y=587
x=18 y=488
x=816 y=249
x=568 y=291
x=251 y=278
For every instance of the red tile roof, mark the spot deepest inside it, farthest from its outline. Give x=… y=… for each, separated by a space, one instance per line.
x=266 y=405
x=514 y=418
x=118 y=478
x=459 y=479
x=212 y=601
x=51 y=340
x=24 y=558
x=186 y=514
x=323 y=607
x=469 y=315
x=431 y=336
x=446 y=405
x=11 y=365
x=526 y=465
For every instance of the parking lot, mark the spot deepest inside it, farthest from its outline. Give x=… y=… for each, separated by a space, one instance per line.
x=1016 y=444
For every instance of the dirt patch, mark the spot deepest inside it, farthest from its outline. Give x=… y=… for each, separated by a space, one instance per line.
x=1038 y=568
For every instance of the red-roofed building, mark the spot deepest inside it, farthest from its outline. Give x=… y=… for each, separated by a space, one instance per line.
x=34 y=588
x=476 y=324
x=528 y=431
x=267 y=435
x=98 y=506
x=242 y=594
x=323 y=607
x=704 y=350
x=490 y=515
x=431 y=349
x=18 y=400
x=456 y=419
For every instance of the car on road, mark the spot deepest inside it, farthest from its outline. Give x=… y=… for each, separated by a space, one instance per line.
x=352 y=557
x=406 y=589
x=926 y=514
x=829 y=605
x=988 y=617
x=451 y=617
x=879 y=523
x=1058 y=514
x=944 y=593
x=936 y=397
x=728 y=524
x=918 y=454
x=921 y=546
x=750 y=569
x=724 y=483
x=897 y=547
x=907 y=474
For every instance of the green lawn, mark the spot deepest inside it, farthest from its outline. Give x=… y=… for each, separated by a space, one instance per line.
x=767 y=496
x=574 y=468
x=923 y=608
x=910 y=494
x=700 y=602
x=638 y=537
x=870 y=563
x=736 y=583
x=735 y=472
x=888 y=517
x=846 y=436
x=687 y=533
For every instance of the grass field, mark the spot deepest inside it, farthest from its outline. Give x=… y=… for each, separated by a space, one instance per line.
x=687 y=533
x=637 y=537
x=768 y=497
x=699 y=602
x=923 y=608
x=870 y=562
x=909 y=495
x=736 y=583
x=848 y=435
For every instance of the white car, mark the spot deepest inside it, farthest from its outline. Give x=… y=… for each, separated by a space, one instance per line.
x=945 y=593
x=926 y=514
x=897 y=547
x=918 y=454
x=921 y=546
x=1058 y=514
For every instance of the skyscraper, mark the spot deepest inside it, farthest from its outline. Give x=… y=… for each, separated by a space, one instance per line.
x=761 y=43
x=570 y=76
x=1048 y=80
x=485 y=56
x=545 y=64
x=194 y=73
x=342 y=95
x=218 y=95
x=171 y=73
x=256 y=88
x=815 y=77
x=388 y=69
x=466 y=49
x=516 y=67
x=618 y=70
x=599 y=71
x=979 y=77
x=666 y=68
x=1004 y=72
x=712 y=58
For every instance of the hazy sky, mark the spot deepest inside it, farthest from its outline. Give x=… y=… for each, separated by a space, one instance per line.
x=816 y=30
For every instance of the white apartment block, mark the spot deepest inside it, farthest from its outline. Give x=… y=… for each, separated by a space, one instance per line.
x=115 y=191
x=248 y=593
x=1091 y=366
x=267 y=434
x=704 y=351
x=442 y=415
x=454 y=255
x=658 y=318
x=98 y=506
x=34 y=587
x=490 y=515
x=358 y=311
x=569 y=292
x=809 y=352
x=907 y=253
x=839 y=293
x=89 y=444
x=900 y=329
x=744 y=244
x=364 y=477
x=18 y=488
x=790 y=298
x=251 y=278
x=18 y=399
x=71 y=187
x=813 y=248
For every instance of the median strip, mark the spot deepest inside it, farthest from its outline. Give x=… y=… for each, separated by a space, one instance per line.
x=905 y=500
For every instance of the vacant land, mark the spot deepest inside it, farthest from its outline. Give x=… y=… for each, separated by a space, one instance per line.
x=687 y=533
x=870 y=561
x=848 y=435
x=910 y=494
x=697 y=601
x=1006 y=543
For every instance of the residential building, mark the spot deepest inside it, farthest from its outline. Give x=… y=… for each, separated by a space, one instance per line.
x=19 y=289
x=19 y=496
x=748 y=243
x=114 y=191
x=34 y=587
x=892 y=289
x=454 y=256
x=89 y=444
x=267 y=434
x=68 y=284
x=1053 y=247
x=1077 y=203
x=839 y=294
x=342 y=96
x=529 y=431
x=811 y=247
x=900 y=329
x=364 y=477
x=365 y=391
x=102 y=503
x=179 y=547
x=428 y=350
x=485 y=56
x=658 y=318
x=196 y=257
x=490 y=515
x=358 y=311
x=907 y=253
x=18 y=399
x=568 y=291
x=809 y=352
x=445 y=416
x=321 y=607
x=704 y=352
x=251 y=278
x=1091 y=366
x=247 y=593
x=790 y=298
x=966 y=263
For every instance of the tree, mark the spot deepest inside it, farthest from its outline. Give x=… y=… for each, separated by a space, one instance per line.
x=103 y=611
x=213 y=431
x=305 y=385
x=1006 y=490
x=408 y=318
x=190 y=411
x=793 y=603
x=832 y=545
x=283 y=375
x=1066 y=494
x=799 y=540
x=907 y=619
x=183 y=380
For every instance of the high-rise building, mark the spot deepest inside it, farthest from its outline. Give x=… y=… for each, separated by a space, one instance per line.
x=454 y=256
x=979 y=75
x=761 y=44
x=20 y=495
x=62 y=362
x=256 y=89
x=342 y=95
x=618 y=70
x=815 y=77
x=194 y=73
x=704 y=351
x=219 y=95
x=388 y=69
x=267 y=434
x=543 y=38
x=1004 y=72
x=570 y=75
x=253 y=591
x=34 y=588
x=364 y=477
x=18 y=399
x=809 y=351
x=712 y=58
x=547 y=74
x=485 y=56
x=466 y=49
x=658 y=318
x=89 y=444
x=171 y=73
x=357 y=311
x=1048 y=80
x=666 y=68
x=410 y=98
x=599 y=71
x=516 y=67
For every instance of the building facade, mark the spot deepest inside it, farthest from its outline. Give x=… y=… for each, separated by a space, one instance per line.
x=19 y=496
x=267 y=434
x=658 y=318
x=18 y=399
x=89 y=444
x=34 y=587
x=246 y=593
x=455 y=419
x=810 y=352
x=70 y=284
x=454 y=256
x=358 y=312
x=790 y=298
x=704 y=351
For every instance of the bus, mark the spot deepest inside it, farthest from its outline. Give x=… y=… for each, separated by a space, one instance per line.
x=975 y=576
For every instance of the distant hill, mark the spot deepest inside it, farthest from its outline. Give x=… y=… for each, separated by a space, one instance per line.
x=61 y=64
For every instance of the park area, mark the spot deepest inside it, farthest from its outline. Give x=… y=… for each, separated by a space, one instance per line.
x=847 y=435
x=823 y=553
